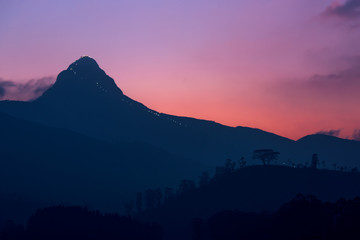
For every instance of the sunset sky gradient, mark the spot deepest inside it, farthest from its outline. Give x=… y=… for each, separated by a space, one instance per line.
x=291 y=67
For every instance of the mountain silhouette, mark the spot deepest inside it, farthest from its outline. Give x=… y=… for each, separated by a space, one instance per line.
x=85 y=142
x=86 y=100
x=82 y=78
x=43 y=165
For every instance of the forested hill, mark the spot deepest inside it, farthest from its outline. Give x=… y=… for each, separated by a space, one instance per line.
x=254 y=188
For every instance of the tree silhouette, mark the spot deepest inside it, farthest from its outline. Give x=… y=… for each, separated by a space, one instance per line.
x=186 y=186
x=204 y=178
x=158 y=196
x=229 y=166
x=323 y=163
x=266 y=156
x=150 y=199
x=129 y=207
x=70 y=223
x=219 y=171
x=303 y=218
x=169 y=193
x=242 y=162
x=139 y=202
x=314 y=161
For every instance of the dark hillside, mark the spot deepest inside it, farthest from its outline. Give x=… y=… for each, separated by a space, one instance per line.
x=254 y=188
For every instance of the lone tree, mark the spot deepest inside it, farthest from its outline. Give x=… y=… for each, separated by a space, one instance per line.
x=266 y=156
x=314 y=161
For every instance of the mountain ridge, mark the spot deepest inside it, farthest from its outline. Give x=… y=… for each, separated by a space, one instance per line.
x=85 y=99
x=46 y=165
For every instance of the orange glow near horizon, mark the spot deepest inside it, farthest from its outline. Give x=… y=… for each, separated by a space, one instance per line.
x=287 y=67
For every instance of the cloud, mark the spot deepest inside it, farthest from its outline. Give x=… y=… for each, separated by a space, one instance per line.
x=341 y=85
x=356 y=135
x=347 y=10
x=32 y=89
x=347 y=80
x=3 y=86
x=333 y=132
x=321 y=101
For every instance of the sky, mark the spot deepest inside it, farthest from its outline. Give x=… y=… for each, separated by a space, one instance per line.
x=291 y=67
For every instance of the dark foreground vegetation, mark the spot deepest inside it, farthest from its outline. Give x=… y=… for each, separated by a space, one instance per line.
x=76 y=223
x=237 y=187
x=253 y=188
x=237 y=202
x=303 y=218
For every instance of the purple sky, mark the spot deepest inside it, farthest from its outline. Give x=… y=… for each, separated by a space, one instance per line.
x=291 y=67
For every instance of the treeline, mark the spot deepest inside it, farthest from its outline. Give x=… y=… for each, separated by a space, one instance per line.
x=152 y=198
x=70 y=223
x=304 y=218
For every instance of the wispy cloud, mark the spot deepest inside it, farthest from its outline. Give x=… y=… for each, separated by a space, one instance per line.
x=356 y=135
x=341 y=83
x=4 y=85
x=12 y=90
x=347 y=10
x=323 y=101
x=333 y=132
x=347 y=80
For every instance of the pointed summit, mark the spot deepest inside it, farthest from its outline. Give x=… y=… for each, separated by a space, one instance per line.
x=84 y=64
x=83 y=78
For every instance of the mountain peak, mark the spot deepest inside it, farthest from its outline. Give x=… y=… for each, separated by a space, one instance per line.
x=83 y=77
x=84 y=63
